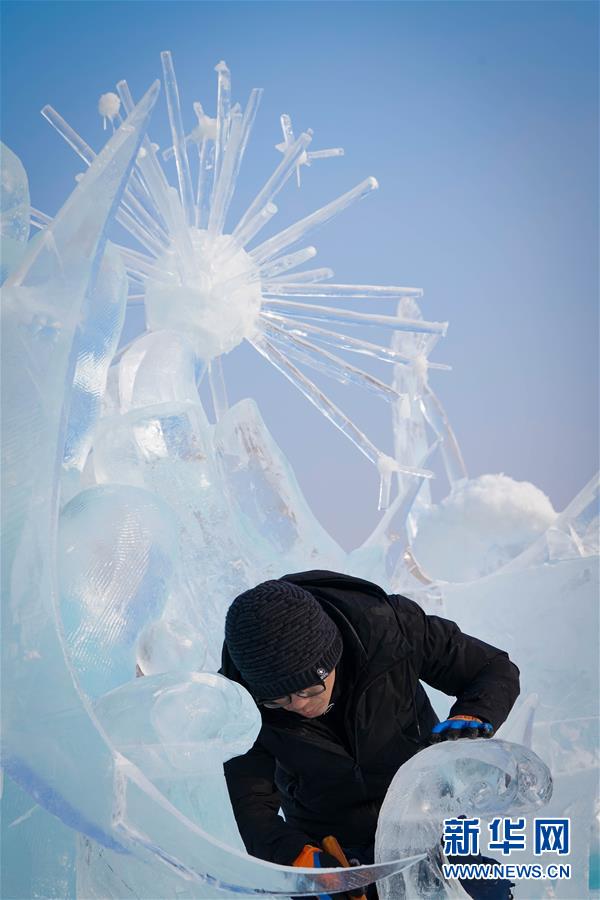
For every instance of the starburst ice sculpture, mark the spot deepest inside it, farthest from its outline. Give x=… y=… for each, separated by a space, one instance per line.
x=195 y=277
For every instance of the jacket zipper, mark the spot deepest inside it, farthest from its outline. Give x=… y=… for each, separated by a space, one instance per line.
x=369 y=684
x=365 y=688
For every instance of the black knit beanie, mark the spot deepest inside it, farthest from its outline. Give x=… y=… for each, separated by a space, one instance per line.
x=280 y=639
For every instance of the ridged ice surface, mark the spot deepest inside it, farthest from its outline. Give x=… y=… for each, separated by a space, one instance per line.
x=137 y=502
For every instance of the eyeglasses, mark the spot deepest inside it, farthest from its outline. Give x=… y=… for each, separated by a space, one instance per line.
x=282 y=702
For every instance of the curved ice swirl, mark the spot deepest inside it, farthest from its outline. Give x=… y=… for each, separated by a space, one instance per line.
x=473 y=778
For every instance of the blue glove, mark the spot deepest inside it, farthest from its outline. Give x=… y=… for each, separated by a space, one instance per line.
x=460 y=727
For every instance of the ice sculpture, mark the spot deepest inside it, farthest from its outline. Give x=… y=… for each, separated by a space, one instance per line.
x=476 y=778
x=133 y=513
x=58 y=750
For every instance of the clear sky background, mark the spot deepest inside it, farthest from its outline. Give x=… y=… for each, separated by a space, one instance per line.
x=480 y=121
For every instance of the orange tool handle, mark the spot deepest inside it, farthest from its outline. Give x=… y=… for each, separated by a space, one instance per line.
x=331 y=845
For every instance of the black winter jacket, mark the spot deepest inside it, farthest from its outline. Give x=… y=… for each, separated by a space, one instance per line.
x=327 y=783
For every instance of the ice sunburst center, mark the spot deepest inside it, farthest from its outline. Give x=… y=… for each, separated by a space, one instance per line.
x=217 y=304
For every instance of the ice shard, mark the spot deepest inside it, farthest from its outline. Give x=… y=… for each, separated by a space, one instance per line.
x=177 y=133
x=274 y=184
x=97 y=342
x=273 y=246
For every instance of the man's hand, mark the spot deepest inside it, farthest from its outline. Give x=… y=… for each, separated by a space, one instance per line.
x=460 y=727
x=314 y=858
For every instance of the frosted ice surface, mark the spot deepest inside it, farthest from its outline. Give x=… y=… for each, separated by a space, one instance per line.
x=109 y=105
x=131 y=517
x=473 y=778
x=553 y=658
x=14 y=210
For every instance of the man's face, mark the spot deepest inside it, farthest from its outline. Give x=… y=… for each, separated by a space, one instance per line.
x=311 y=707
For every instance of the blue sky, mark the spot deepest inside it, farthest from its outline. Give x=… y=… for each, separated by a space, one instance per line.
x=480 y=121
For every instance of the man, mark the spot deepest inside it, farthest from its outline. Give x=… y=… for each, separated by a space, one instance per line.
x=335 y=664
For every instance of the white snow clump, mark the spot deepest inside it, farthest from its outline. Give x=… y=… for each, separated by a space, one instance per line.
x=481 y=525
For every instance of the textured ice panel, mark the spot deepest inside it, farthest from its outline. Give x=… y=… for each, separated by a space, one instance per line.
x=167 y=449
x=51 y=745
x=96 y=341
x=163 y=446
x=14 y=210
x=117 y=553
x=282 y=534
x=473 y=778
